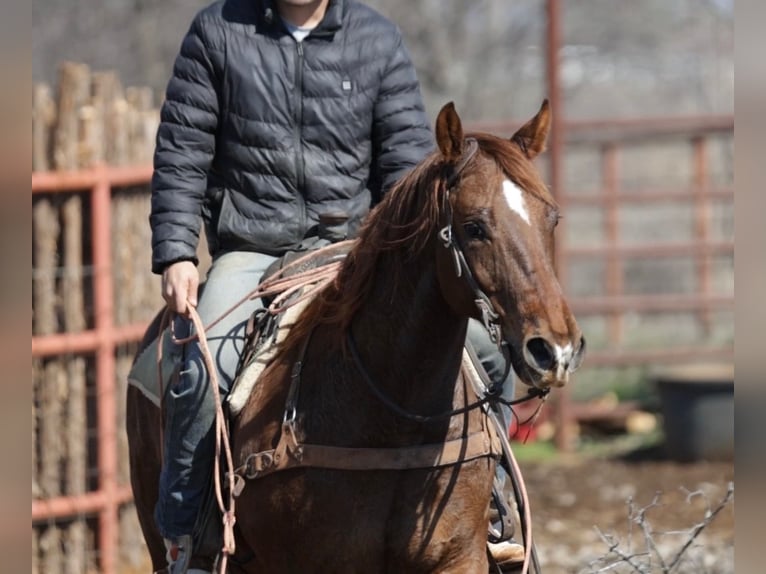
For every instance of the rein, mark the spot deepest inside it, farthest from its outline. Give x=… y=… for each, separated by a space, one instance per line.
x=282 y=287
x=390 y=404
x=290 y=452
x=221 y=439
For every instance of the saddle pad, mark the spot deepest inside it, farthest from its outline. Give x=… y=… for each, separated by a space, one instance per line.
x=470 y=370
x=247 y=377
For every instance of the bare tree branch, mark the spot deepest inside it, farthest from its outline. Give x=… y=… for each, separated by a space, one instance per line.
x=619 y=554
x=709 y=517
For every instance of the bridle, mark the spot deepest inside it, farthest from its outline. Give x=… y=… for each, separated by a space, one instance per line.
x=489 y=317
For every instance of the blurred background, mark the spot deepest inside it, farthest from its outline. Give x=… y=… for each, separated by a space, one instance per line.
x=640 y=159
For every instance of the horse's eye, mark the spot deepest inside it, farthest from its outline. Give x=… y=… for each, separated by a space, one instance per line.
x=475 y=231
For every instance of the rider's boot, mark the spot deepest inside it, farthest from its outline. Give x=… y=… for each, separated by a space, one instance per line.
x=505 y=550
x=506 y=554
x=178 y=555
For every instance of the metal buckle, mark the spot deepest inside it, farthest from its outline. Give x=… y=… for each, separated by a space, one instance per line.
x=445 y=234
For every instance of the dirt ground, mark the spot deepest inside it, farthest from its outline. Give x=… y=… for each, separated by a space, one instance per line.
x=569 y=498
x=572 y=495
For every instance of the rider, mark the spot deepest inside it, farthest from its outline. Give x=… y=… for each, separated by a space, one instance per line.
x=278 y=112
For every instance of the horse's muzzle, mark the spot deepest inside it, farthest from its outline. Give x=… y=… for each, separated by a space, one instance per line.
x=553 y=362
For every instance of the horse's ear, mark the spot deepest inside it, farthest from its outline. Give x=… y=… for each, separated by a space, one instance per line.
x=449 y=133
x=532 y=135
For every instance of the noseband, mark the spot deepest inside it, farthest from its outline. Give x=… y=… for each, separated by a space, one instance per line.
x=489 y=316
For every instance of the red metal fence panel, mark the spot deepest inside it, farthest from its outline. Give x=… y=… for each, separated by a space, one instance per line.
x=102 y=340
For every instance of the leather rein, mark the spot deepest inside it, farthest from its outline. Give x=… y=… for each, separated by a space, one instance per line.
x=291 y=453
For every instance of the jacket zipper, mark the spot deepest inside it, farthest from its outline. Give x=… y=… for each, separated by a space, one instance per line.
x=299 y=160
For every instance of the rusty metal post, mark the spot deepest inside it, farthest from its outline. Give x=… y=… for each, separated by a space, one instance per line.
x=68 y=506
x=614 y=281
x=105 y=370
x=702 y=226
x=84 y=341
x=556 y=137
x=562 y=437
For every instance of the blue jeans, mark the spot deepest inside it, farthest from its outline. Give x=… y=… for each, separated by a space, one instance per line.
x=494 y=363
x=189 y=439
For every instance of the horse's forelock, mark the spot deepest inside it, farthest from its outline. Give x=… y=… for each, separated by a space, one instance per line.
x=514 y=163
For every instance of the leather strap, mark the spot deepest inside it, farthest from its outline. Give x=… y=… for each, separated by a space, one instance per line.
x=289 y=453
x=470 y=151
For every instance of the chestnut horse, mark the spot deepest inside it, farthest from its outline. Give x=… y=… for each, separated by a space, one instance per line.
x=466 y=233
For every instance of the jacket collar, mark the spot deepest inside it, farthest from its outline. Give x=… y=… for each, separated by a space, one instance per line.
x=332 y=21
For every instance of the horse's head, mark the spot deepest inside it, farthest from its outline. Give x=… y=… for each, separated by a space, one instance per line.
x=498 y=265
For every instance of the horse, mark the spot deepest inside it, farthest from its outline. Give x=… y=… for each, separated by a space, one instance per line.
x=371 y=376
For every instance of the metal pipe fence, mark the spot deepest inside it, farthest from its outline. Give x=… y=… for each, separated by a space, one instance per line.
x=101 y=341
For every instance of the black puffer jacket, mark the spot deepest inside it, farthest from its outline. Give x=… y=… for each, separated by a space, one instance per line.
x=260 y=134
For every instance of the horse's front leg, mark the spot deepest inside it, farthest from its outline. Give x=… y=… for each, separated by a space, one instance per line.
x=476 y=563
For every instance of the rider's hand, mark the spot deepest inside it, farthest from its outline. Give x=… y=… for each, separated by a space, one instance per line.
x=179 y=286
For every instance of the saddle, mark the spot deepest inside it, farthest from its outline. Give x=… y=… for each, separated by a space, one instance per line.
x=266 y=328
x=269 y=326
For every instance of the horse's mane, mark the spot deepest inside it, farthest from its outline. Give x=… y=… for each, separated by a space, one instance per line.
x=404 y=221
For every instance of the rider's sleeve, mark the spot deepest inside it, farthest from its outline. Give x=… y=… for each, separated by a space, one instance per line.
x=401 y=133
x=185 y=148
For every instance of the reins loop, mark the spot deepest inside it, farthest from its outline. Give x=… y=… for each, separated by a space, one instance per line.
x=282 y=287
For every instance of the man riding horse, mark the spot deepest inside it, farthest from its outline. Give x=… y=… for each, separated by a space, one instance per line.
x=280 y=116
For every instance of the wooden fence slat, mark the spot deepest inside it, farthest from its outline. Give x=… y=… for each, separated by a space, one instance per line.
x=72 y=292
x=73 y=93
x=50 y=549
x=46 y=229
x=143 y=123
x=46 y=237
x=107 y=91
x=120 y=132
x=52 y=454
x=43 y=117
x=93 y=120
x=123 y=258
x=35 y=551
x=76 y=418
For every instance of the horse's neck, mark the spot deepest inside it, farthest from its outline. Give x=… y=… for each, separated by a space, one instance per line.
x=413 y=339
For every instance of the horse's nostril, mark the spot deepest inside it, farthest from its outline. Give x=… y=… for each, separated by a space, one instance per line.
x=541 y=353
x=578 y=356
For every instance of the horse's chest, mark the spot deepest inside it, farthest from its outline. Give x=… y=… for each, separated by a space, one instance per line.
x=377 y=521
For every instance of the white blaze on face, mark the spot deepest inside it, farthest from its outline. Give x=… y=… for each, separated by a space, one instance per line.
x=515 y=198
x=563 y=359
